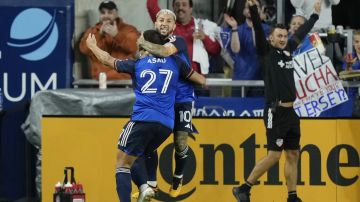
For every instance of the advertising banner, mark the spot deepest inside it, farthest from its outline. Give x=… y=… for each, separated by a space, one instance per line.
x=254 y=107
x=229 y=107
x=221 y=157
x=35 y=48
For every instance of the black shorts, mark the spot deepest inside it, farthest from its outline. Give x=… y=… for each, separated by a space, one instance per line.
x=141 y=138
x=183 y=117
x=282 y=129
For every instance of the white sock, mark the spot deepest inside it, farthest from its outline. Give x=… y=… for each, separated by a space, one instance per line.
x=152 y=183
x=143 y=187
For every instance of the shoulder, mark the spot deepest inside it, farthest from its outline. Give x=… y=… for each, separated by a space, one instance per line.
x=94 y=29
x=125 y=27
x=266 y=27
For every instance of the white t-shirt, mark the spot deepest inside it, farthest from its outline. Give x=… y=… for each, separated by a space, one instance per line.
x=306 y=8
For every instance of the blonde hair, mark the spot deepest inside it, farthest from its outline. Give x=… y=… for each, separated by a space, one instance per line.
x=166 y=11
x=356 y=32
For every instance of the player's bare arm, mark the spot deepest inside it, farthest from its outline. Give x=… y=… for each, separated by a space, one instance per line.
x=156 y=49
x=197 y=78
x=103 y=56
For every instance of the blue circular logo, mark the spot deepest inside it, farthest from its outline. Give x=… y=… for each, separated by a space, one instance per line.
x=35 y=32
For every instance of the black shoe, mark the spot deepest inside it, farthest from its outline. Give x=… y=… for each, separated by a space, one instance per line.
x=294 y=200
x=241 y=196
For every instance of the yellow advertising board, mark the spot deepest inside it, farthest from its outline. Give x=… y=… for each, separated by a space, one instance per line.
x=223 y=154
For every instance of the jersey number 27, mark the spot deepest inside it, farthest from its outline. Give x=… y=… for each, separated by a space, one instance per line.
x=147 y=86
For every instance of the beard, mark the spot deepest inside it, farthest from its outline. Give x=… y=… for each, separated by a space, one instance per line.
x=163 y=31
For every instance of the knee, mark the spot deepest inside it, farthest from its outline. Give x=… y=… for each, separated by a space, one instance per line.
x=180 y=146
x=292 y=155
x=123 y=160
x=180 y=142
x=274 y=156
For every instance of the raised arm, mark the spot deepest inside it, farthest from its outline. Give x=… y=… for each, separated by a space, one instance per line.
x=334 y=2
x=262 y=44
x=153 y=8
x=83 y=46
x=301 y=33
x=235 y=42
x=297 y=3
x=103 y=56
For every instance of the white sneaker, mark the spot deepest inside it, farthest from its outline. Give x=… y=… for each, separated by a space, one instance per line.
x=146 y=195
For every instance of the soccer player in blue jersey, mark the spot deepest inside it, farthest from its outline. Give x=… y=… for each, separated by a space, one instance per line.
x=155 y=84
x=165 y=25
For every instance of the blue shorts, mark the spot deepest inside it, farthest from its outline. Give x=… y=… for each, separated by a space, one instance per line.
x=141 y=138
x=183 y=117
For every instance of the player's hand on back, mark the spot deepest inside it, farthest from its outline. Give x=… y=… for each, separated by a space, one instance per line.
x=140 y=41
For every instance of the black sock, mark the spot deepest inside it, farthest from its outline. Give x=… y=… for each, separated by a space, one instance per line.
x=176 y=182
x=138 y=172
x=151 y=161
x=180 y=161
x=246 y=186
x=292 y=195
x=123 y=184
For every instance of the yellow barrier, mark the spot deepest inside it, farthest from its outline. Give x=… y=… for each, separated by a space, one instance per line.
x=329 y=162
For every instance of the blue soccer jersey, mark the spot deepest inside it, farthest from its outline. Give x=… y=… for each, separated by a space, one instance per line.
x=155 y=84
x=185 y=90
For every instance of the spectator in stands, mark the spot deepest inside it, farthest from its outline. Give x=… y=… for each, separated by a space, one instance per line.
x=296 y=22
x=199 y=34
x=306 y=8
x=113 y=36
x=243 y=51
x=352 y=62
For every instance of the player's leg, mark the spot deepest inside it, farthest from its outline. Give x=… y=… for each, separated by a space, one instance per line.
x=180 y=156
x=161 y=133
x=123 y=175
x=151 y=164
x=275 y=140
x=291 y=171
x=139 y=173
x=183 y=127
x=292 y=153
x=152 y=161
x=133 y=141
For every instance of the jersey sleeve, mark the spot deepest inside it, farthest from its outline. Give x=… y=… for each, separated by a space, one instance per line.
x=125 y=66
x=185 y=70
x=179 y=43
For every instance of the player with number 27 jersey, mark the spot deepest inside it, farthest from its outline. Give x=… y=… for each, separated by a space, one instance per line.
x=155 y=83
